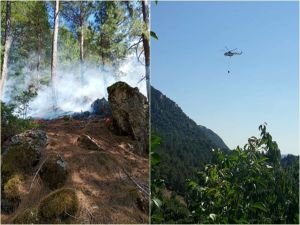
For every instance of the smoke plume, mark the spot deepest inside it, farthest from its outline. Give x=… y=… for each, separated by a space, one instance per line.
x=73 y=93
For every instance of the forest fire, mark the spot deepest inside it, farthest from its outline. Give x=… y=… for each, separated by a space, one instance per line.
x=71 y=95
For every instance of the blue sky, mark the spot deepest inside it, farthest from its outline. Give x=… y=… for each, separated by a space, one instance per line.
x=188 y=65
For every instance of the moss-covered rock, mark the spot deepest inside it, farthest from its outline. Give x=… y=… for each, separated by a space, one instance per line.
x=54 y=172
x=19 y=159
x=60 y=206
x=37 y=139
x=12 y=187
x=28 y=216
x=11 y=194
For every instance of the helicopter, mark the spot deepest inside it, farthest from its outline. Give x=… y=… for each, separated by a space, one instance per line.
x=231 y=53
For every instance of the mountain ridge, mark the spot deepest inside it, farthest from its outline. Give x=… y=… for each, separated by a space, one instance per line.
x=185 y=144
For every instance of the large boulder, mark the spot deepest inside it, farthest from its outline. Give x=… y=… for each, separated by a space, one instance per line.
x=19 y=159
x=37 y=139
x=130 y=113
x=101 y=107
x=54 y=172
x=60 y=206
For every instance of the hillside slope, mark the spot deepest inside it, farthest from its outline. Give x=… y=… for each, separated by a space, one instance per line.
x=185 y=145
x=105 y=180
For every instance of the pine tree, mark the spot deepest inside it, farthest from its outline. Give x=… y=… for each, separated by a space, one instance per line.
x=110 y=25
x=54 y=50
x=8 y=41
x=77 y=14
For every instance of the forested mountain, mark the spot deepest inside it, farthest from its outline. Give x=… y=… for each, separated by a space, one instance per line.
x=213 y=137
x=185 y=145
x=289 y=160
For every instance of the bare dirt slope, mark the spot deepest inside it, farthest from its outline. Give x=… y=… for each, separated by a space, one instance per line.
x=111 y=183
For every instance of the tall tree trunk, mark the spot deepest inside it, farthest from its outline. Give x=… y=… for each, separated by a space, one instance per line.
x=81 y=41
x=54 y=51
x=81 y=53
x=8 y=41
x=39 y=49
x=146 y=45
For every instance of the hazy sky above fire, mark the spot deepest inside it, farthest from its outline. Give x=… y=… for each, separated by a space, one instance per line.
x=188 y=66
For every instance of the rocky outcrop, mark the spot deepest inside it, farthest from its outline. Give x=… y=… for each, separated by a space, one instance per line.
x=37 y=139
x=101 y=107
x=130 y=113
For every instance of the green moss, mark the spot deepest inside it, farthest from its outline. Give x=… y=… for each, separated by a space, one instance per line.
x=19 y=159
x=53 y=174
x=60 y=206
x=12 y=187
x=28 y=216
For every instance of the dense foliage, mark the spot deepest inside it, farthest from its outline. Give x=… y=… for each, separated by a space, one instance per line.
x=164 y=208
x=90 y=33
x=245 y=185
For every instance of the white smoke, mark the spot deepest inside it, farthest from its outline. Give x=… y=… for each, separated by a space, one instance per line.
x=74 y=94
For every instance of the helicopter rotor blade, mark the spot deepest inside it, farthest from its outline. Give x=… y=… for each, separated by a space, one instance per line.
x=233 y=49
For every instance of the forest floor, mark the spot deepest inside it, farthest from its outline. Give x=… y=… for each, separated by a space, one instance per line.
x=107 y=182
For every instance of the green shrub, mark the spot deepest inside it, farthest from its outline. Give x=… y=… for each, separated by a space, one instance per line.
x=10 y=194
x=12 y=187
x=245 y=186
